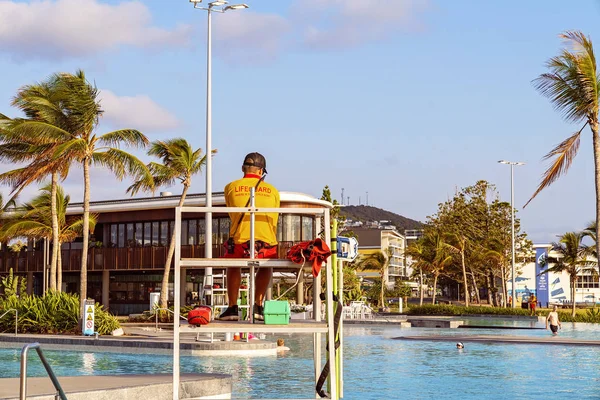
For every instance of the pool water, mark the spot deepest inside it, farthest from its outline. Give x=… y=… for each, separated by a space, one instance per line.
x=376 y=367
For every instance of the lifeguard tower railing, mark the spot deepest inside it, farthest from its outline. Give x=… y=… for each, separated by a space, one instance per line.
x=315 y=326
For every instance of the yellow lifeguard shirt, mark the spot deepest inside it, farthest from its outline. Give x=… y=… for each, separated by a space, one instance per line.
x=237 y=194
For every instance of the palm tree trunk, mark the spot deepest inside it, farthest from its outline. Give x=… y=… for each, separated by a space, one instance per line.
x=504 y=289
x=86 y=234
x=381 y=293
x=489 y=290
x=476 y=288
x=59 y=268
x=164 y=289
x=596 y=142
x=573 y=283
x=435 y=278
x=421 y=287
x=55 y=245
x=464 y=271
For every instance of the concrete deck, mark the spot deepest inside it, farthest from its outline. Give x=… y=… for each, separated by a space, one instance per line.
x=116 y=387
x=550 y=340
x=143 y=339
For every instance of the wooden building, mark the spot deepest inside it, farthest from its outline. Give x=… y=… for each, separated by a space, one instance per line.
x=128 y=248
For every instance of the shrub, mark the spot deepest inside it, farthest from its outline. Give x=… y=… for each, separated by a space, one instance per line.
x=56 y=312
x=591 y=315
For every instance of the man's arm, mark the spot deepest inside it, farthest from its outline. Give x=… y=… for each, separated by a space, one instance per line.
x=547 y=318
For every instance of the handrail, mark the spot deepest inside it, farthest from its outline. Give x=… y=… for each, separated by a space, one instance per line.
x=156 y=317
x=16 y=318
x=23 y=392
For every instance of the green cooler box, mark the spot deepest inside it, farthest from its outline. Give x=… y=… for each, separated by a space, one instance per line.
x=277 y=312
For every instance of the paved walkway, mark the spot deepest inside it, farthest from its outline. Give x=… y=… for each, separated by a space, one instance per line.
x=145 y=339
x=155 y=387
x=552 y=340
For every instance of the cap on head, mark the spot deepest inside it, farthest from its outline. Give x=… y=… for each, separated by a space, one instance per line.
x=459 y=345
x=256 y=160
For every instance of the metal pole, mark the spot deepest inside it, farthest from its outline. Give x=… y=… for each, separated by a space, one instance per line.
x=176 y=285
x=252 y=277
x=512 y=217
x=208 y=215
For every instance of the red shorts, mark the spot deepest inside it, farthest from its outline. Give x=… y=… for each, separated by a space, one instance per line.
x=261 y=251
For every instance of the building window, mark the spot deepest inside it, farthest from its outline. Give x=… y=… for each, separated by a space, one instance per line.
x=201 y=232
x=164 y=234
x=224 y=229
x=184 y=232
x=587 y=282
x=308 y=228
x=155 y=233
x=193 y=232
x=147 y=234
x=114 y=235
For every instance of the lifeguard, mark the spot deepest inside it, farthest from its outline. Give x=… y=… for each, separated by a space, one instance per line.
x=237 y=194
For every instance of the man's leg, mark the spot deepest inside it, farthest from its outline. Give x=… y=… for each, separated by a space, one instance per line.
x=234 y=279
x=263 y=277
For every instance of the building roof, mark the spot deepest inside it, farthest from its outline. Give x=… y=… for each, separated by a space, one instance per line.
x=171 y=201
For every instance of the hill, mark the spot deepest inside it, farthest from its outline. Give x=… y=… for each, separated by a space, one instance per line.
x=368 y=213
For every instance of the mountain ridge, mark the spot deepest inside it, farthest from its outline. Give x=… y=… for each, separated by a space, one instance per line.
x=369 y=213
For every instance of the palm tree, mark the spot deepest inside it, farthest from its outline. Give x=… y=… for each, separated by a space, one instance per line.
x=34 y=220
x=417 y=252
x=40 y=104
x=458 y=244
x=179 y=162
x=572 y=258
x=433 y=256
x=78 y=111
x=379 y=261
x=573 y=86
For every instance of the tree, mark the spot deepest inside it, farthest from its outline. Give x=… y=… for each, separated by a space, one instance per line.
x=34 y=220
x=179 y=162
x=24 y=141
x=380 y=262
x=573 y=86
x=80 y=107
x=572 y=258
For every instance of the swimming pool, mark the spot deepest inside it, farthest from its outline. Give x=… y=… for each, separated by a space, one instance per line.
x=376 y=367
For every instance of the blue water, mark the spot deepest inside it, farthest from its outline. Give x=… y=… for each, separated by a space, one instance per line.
x=377 y=367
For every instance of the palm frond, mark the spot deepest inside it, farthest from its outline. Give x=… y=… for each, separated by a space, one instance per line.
x=565 y=152
x=130 y=137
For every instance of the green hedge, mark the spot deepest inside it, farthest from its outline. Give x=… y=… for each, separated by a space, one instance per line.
x=446 y=309
x=591 y=315
x=56 y=312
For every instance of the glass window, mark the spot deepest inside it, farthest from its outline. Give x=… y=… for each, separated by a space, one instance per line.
x=155 y=233
x=295 y=228
x=184 y=232
x=201 y=231
x=192 y=231
x=280 y=228
x=164 y=233
x=130 y=235
x=215 y=231
x=139 y=234
x=121 y=241
x=114 y=235
x=223 y=229
x=147 y=233
x=308 y=228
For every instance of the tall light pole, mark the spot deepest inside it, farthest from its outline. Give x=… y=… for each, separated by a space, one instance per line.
x=512 y=222
x=221 y=7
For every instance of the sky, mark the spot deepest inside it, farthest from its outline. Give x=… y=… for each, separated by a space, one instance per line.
x=408 y=100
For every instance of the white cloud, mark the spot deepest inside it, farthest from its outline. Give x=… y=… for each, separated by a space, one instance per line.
x=56 y=29
x=248 y=36
x=347 y=23
x=136 y=112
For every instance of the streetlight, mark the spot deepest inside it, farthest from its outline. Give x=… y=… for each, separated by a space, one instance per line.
x=221 y=7
x=512 y=219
